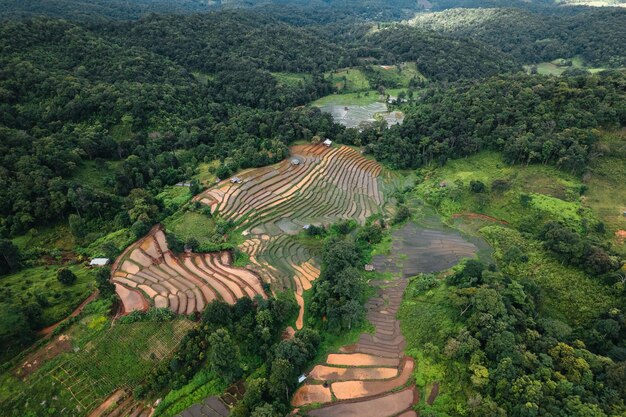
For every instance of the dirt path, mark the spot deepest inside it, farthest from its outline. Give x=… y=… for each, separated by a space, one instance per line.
x=48 y=330
x=478 y=216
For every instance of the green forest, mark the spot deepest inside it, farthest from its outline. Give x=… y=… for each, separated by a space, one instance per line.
x=117 y=116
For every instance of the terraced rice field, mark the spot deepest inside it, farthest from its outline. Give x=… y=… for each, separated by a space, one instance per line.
x=326 y=185
x=184 y=283
x=353 y=116
x=369 y=378
x=416 y=249
x=271 y=204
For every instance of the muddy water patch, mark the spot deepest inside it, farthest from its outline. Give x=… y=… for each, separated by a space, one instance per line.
x=417 y=249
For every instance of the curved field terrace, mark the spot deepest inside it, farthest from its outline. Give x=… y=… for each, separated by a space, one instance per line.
x=316 y=185
x=183 y=283
x=370 y=377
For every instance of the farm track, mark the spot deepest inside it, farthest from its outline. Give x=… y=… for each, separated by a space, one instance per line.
x=185 y=283
x=271 y=203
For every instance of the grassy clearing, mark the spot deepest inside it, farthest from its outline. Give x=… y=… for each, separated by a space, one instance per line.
x=97 y=176
x=558 y=66
x=349 y=80
x=51 y=237
x=349 y=99
x=397 y=75
x=427 y=320
x=174 y=197
x=204 y=176
x=103 y=359
x=120 y=239
x=556 y=195
x=290 y=79
x=204 y=384
x=40 y=285
x=563 y=286
x=606 y=194
x=187 y=224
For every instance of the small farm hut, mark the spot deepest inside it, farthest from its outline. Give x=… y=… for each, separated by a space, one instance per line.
x=295 y=161
x=328 y=142
x=306 y=226
x=369 y=268
x=235 y=180
x=99 y=262
x=301 y=379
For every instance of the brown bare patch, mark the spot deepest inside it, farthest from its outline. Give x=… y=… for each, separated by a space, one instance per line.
x=310 y=394
x=434 y=392
x=360 y=359
x=330 y=373
x=47 y=352
x=357 y=389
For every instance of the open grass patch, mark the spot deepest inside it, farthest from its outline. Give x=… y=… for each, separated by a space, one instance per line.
x=204 y=175
x=427 y=321
x=553 y=194
x=290 y=79
x=569 y=294
x=558 y=66
x=606 y=182
x=349 y=99
x=349 y=80
x=51 y=237
x=99 y=176
x=39 y=285
x=174 y=197
x=189 y=224
x=204 y=384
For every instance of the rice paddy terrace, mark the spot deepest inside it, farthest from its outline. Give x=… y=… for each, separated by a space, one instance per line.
x=353 y=116
x=184 y=283
x=316 y=185
x=373 y=377
x=416 y=249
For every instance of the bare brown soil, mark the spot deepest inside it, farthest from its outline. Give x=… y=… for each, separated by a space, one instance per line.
x=131 y=300
x=385 y=406
x=45 y=353
x=148 y=270
x=620 y=236
x=360 y=359
x=310 y=394
x=329 y=373
x=356 y=389
x=434 y=392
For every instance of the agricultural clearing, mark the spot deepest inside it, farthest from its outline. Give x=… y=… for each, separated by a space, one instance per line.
x=558 y=66
x=317 y=185
x=417 y=250
x=184 y=283
x=91 y=360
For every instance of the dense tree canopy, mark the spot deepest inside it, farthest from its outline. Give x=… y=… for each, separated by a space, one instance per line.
x=530 y=119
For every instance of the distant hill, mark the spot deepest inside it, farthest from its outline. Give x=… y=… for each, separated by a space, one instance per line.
x=596 y=35
x=135 y=9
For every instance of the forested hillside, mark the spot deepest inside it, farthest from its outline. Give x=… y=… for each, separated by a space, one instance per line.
x=532 y=37
x=129 y=130
x=529 y=119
